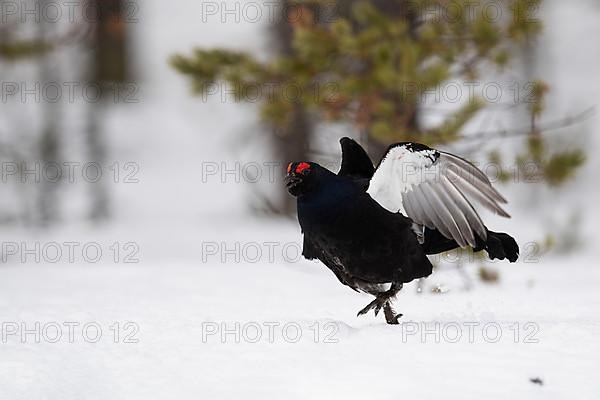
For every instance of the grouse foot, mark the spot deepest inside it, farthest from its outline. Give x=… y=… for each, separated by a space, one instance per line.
x=383 y=300
x=390 y=315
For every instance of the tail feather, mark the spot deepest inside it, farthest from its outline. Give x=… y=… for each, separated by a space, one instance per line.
x=502 y=246
x=499 y=245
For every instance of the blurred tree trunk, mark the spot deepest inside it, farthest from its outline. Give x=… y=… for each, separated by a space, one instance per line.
x=96 y=146
x=49 y=141
x=292 y=141
x=108 y=71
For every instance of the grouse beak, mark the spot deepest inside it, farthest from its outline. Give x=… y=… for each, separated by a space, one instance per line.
x=291 y=181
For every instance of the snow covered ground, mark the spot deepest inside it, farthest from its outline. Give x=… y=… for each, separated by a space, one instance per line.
x=273 y=326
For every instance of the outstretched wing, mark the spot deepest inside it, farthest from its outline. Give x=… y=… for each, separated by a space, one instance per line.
x=355 y=160
x=435 y=189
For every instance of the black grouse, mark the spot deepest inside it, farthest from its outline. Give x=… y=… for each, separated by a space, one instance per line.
x=374 y=227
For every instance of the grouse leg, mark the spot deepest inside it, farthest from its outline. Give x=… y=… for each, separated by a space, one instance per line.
x=383 y=300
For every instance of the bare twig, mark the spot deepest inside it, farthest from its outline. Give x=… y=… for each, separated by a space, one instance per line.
x=550 y=126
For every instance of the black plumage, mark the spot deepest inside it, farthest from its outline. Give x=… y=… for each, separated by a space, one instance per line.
x=368 y=246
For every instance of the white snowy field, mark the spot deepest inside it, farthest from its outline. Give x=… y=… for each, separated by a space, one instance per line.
x=273 y=326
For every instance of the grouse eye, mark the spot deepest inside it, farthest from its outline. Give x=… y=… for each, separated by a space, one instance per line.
x=303 y=168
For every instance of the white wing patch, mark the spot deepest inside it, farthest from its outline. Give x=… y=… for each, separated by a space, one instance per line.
x=435 y=189
x=398 y=171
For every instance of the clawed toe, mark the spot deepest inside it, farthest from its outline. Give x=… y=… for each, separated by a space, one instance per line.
x=378 y=308
x=376 y=305
x=369 y=307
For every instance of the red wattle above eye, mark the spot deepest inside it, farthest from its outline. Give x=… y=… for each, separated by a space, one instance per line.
x=301 y=167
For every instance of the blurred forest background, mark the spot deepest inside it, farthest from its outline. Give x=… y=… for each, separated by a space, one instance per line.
x=372 y=65
x=61 y=65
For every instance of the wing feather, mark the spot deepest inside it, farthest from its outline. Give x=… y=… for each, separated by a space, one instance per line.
x=419 y=214
x=458 y=216
x=445 y=213
x=474 y=220
x=472 y=174
x=478 y=193
x=408 y=206
x=435 y=189
x=422 y=192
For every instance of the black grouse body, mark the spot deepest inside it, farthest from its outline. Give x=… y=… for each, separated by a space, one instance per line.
x=359 y=240
x=373 y=227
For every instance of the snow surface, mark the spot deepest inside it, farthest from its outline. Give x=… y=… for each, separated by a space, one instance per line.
x=178 y=301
